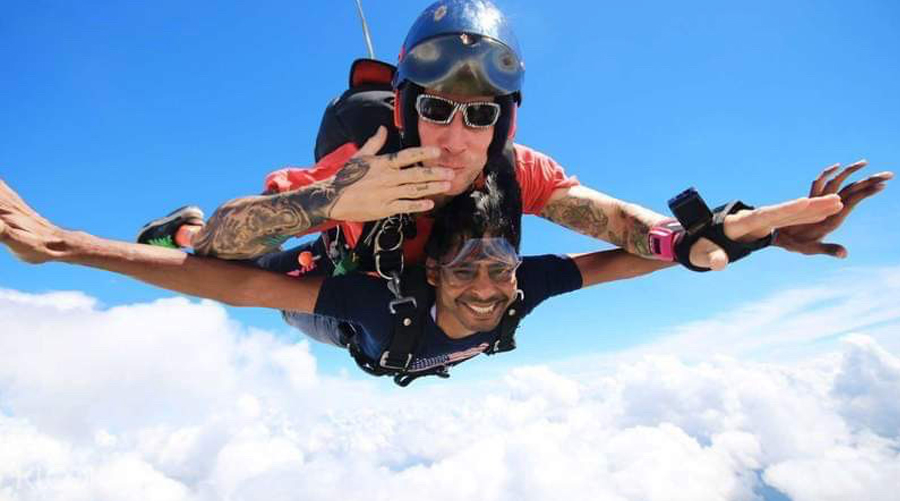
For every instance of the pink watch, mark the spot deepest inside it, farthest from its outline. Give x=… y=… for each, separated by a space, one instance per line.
x=662 y=239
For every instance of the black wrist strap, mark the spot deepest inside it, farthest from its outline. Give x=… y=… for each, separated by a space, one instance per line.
x=715 y=231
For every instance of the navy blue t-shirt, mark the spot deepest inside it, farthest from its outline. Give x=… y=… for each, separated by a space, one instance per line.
x=363 y=301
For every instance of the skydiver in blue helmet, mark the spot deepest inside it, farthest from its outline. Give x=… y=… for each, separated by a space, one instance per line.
x=403 y=141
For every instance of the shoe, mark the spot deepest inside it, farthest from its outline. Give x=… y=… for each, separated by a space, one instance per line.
x=161 y=232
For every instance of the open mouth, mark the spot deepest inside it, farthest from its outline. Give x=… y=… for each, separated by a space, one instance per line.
x=482 y=310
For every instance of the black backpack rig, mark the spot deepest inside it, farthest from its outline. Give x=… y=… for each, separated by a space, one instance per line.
x=354 y=117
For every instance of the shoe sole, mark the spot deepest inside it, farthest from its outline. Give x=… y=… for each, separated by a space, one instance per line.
x=187 y=213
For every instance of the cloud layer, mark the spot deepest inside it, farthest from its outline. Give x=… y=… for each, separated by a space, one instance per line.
x=172 y=400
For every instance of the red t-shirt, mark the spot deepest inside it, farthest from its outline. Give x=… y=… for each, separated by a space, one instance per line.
x=538 y=175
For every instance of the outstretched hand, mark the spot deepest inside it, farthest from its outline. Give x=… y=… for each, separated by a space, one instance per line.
x=374 y=186
x=29 y=236
x=808 y=238
x=749 y=225
x=803 y=223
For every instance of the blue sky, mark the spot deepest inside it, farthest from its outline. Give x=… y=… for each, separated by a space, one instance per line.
x=114 y=113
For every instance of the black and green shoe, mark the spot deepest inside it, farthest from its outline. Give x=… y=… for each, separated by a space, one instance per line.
x=161 y=232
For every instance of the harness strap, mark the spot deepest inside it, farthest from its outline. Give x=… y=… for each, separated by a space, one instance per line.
x=409 y=312
x=506 y=339
x=406 y=328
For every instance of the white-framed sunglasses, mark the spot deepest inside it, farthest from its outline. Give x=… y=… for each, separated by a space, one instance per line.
x=440 y=110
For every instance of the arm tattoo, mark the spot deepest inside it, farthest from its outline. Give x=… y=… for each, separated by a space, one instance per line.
x=586 y=216
x=251 y=226
x=580 y=215
x=634 y=234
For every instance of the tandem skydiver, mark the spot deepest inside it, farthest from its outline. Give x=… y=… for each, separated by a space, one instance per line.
x=450 y=105
x=466 y=300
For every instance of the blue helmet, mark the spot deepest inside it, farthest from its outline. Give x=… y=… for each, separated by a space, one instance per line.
x=464 y=47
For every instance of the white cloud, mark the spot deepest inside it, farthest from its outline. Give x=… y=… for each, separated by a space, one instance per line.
x=786 y=326
x=868 y=387
x=173 y=400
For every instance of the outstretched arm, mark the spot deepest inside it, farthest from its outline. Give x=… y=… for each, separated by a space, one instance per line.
x=366 y=188
x=802 y=224
x=627 y=225
x=599 y=267
x=615 y=264
x=592 y=213
x=36 y=240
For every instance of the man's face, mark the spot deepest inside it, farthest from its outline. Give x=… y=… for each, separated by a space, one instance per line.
x=463 y=149
x=472 y=295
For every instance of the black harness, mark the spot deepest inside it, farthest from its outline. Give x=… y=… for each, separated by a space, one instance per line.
x=355 y=116
x=410 y=313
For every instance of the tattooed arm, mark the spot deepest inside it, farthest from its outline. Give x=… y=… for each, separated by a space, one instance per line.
x=34 y=239
x=802 y=224
x=367 y=187
x=251 y=226
x=592 y=213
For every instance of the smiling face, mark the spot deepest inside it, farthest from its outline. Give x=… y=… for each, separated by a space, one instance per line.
x=471 y=295
x=463 y=149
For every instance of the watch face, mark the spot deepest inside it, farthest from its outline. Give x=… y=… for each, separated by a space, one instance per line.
x=690 y=210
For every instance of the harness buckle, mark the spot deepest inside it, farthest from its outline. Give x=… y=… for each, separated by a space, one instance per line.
x=378 y=266
x=393 y=223
x=383 y=362
x=397 y=302
x=390 y=228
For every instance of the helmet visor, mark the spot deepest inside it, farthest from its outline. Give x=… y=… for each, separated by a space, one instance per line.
x=463 y=64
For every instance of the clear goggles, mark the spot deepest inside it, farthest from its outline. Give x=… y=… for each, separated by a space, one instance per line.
x=440 y=110
x=496 y=254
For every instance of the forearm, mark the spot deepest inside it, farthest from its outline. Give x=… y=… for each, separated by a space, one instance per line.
x=210 y=278
x=610 y=265
x=594 y=214
x=251 y=226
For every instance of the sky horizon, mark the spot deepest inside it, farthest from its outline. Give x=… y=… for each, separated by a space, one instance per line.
x=752 y=381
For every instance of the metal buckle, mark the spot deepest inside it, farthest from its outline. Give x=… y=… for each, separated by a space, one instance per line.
x=383 y=362
x=399 y=301
x=378 y=266
x=392 y=223
x=393 y=285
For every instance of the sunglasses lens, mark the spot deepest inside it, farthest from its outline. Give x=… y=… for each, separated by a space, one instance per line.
x=434 y=109
x=458 y=276
x=461 y=275
x=482 y=114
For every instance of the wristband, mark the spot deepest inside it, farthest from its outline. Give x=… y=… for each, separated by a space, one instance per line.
x=663 y=237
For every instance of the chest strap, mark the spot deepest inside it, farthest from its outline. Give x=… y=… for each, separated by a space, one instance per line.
x=409 y=315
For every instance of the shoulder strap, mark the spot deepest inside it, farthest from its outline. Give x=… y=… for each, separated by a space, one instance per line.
x=408 y=311
x=506 y=338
